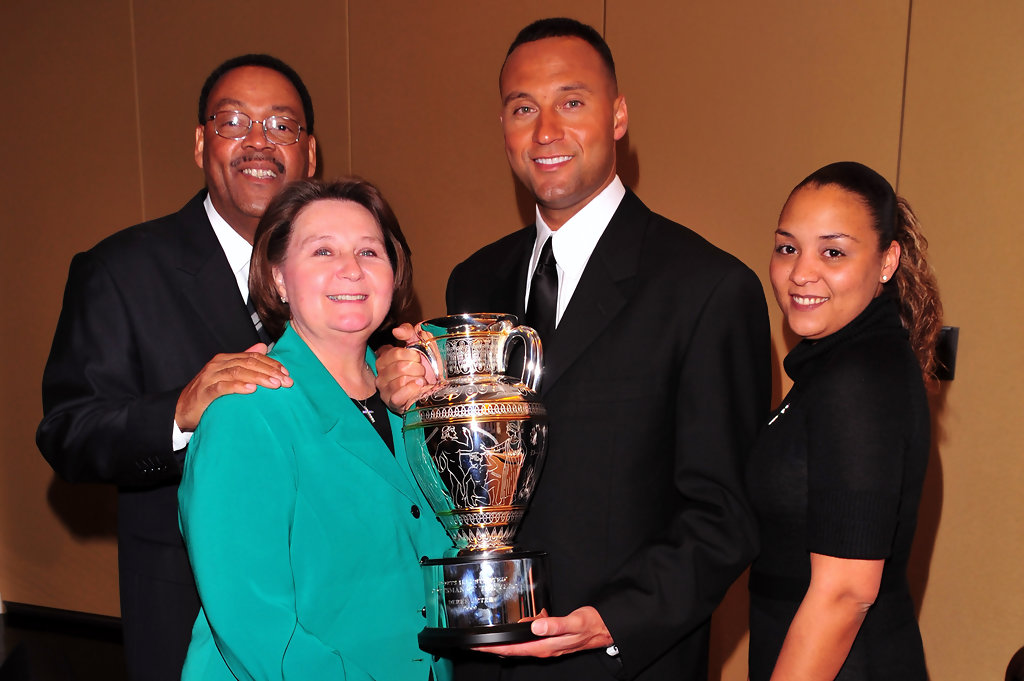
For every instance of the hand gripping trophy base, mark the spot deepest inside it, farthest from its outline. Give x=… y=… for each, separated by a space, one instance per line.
x=479 y=600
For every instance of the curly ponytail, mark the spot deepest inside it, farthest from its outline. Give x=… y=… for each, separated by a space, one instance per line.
x=916 y=287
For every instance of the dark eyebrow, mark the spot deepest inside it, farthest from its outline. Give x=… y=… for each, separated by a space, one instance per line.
x=568 y=87
x=823 y=237
x=837 y=235
x=284 y=109
x=514 y=95
x=574 y=86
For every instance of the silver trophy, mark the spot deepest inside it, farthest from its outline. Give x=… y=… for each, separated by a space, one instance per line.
x=476 y=445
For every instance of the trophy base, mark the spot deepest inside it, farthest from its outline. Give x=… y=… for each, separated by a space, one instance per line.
x=440 y=641
x=481 y=600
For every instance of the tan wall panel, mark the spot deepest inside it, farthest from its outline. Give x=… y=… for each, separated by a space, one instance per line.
x=962 y=169
x=733 y=103
x=425 y=123
x=179 y=43
x=73 y=170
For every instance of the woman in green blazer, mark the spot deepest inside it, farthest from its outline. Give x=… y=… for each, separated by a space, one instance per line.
x=302 y=519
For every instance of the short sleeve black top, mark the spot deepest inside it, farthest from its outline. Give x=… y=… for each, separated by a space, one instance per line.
x=838 y=470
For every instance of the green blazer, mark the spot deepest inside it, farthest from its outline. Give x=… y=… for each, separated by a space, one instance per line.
x=304 y=534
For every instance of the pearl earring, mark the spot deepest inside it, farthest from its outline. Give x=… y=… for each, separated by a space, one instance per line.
x=284 y=300
x=885 y=278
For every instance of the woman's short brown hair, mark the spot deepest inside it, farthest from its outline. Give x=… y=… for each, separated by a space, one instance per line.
x=275 y=228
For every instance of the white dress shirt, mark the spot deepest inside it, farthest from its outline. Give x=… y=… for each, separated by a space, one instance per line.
x=574 y=241
x=237 y=250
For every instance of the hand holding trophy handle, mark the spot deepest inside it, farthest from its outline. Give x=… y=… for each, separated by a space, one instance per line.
x=423 y=346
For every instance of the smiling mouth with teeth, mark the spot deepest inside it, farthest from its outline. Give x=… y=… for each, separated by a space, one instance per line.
x=347 y=296
x=808 y=300
x=259 y=173
x=552 y=160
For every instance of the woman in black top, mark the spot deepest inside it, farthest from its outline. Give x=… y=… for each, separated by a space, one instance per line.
x=837 y=472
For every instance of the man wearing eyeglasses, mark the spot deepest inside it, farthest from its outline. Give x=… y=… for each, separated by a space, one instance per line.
x=155 y=325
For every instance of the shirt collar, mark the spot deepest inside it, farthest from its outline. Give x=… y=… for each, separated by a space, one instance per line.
x=237 y=250
x=575 y=240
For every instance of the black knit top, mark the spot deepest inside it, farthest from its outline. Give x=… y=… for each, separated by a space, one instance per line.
x=838 y=471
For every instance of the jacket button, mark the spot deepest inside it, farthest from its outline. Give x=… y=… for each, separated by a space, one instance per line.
x=424 y=612
x=415 y=511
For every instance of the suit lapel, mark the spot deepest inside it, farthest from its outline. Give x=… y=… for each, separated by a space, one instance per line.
x=494 y=279
x=603 y=290
x=520 y=265
x=354 y=435
x=509 y=277
x=206 y=279
x=340 y=420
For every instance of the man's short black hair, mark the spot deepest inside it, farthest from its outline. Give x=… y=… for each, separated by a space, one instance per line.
x=563 y=27
x=267 y=62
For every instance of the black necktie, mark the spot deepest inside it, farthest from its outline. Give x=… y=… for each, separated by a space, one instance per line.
x=543 y=303
x=260 y=331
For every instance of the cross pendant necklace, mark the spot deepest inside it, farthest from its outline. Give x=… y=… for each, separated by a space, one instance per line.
x=367 y=412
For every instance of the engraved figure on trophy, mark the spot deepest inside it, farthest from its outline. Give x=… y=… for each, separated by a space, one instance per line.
x=466 y=454
x=476 y=444
x=459 y=464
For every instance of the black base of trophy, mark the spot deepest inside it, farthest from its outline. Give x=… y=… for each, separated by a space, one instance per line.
x=440 y=641
x=479 y=600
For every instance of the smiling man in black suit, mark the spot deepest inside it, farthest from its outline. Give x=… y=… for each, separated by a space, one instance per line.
x=656 y=378
x=155 y=326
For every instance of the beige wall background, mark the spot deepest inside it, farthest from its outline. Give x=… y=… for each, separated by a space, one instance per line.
x=731 y=104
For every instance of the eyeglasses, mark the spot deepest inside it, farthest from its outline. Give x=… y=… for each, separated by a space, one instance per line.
x=235 y=125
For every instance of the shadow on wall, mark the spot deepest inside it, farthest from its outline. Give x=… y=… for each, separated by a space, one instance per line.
x=930 y=509
x=729 y=626
x=628 y=162
x=86 y=510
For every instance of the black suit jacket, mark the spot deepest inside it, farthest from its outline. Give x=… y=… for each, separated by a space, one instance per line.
x=655 y=383
x=143 y=311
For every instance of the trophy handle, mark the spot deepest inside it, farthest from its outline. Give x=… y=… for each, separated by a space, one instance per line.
x=532 y=356
x=421 y=347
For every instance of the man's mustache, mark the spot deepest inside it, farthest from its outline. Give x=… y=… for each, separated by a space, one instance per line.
x=251 y=158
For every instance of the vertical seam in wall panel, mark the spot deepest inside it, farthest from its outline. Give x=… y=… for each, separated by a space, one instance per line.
x=138 y=105
x=903 y=96
x=348 y=82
